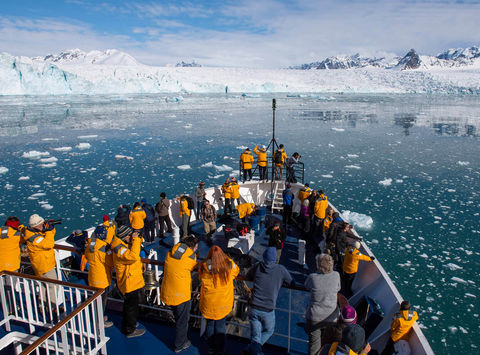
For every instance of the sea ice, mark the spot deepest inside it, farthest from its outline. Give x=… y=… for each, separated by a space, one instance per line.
x=222 y=168
x=457 y=279
x=327 y=176
x=8 y=186
x=62 y=149
x=49 y=160
x=453 y=266
x=33 y=154
x=83 y=146
x=23 y=178
x=463 y=163
x=338 y=129
x=88 y=136
x=48 y=165
x=3 y=170
x=352 y=155
x=47 y=206
x=386 y=182
x=119 y=156
x=358 y=220
x=113 y=173
x=207 y=165
x=352 y=167
x=184 y=167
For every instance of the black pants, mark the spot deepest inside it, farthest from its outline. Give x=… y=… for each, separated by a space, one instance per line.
x=130 y=311
x=317 y=229
x=149 y=230
x=228 y=206
x=347 y=282
x=287 y=214
x=263 y=172
x=182 y=316
x=245 y=172
x=291 y=175
x=168 y=223
x=389 y=347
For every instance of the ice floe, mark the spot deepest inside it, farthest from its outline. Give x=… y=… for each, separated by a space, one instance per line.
x=120 y=156
x=184 y=167
x=463 y=163
x=3 y=170
x=453 y=266
x=49 y=160
x=83 y=146
x=338 y=129
x=359 y=220
x=46 y=206
x=33 y=154
x=23 y=178
x=386 y=182
x=352 y=167
x=62 y=149
x=88 y=136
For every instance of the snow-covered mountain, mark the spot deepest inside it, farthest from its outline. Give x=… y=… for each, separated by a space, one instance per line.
x=452 y=58
x=114 y=72
x=77 y=56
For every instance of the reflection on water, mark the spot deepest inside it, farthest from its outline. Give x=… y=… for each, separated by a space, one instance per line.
x=406 y=121
x=351 y=118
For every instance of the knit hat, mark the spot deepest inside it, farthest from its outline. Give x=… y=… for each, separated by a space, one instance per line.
x=270 y=255
x=354 y=337
x=35 y=220
x=233 y=178
x=106 y=218
x=405 y=306
x=124 y=231
x=12 y=222
x=349 y=315
x=101 y=232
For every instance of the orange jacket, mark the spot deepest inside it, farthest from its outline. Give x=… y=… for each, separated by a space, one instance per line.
x=227 y=190
x=321 y=207
x=235 y=187
x=100 y=263
x=137 y=217
x=402 y=323
x=40 y=249
x=128 y=265
x=261 y=156
x=184 y=208
x=216 y=302
x=352 y=257
x=304 y=193
x=177 y=277
x=245 y=209
x=10 y=240
x=246 y=159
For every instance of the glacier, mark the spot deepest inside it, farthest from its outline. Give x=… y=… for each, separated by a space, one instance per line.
x=86 y=76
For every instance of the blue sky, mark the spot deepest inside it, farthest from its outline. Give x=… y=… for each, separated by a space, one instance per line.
x=251 y=33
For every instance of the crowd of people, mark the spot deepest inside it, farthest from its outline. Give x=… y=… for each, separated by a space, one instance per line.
x=115 y=245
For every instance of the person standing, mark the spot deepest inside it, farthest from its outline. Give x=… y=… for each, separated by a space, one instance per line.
x=402 y=322
x=216 y=273
x=123 y=216
x=227 y=195
x=276 y=238
x=353 y=342
x=185 y=214
x=176 y=290
x=100 y=264
x=290 y=165
x=261 y=162
x=320 y=208
x=40 y=239
x=304 y=192
x=287 y=205
x=126 y=247
x=279 y=159
x=208 y=215
x=200 y=197
x=163 y=207
x=268 y=278
x=235 y=191
x=350 y=266
x=246 y=161
x=10 y=240
x=246 y=209
x=137 y=218
x=322 y=310
x=149 y=221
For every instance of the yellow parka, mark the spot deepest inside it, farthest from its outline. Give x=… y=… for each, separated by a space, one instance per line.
x=10 y=240
x=235 y=187
x=402 y=323
x=333 y=350
x=128 y=265
x=261 y=156
x=137 y=217
x=327 y=222
x=352 y=257
x=111 y=228
x=227 y=190
x=245 y=209
x=284 y=156
x=40 y=249
x=177 y=277
x=320 y=208
x=216 y=302
x=304 y=193
x=100 y=263
x=184 y=208
x=246 y=159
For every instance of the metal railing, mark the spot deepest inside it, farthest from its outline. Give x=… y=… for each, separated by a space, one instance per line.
x=61 y=317
x=299 y=170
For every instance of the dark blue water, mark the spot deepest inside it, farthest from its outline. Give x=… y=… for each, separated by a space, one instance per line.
x=411 y=163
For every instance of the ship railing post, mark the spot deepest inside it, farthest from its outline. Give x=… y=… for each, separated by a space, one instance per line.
x=289 y=317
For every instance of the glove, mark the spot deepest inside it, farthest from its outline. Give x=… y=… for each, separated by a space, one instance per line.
x=372 y=257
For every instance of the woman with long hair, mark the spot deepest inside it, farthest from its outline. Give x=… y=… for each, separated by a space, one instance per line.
x=216 y=273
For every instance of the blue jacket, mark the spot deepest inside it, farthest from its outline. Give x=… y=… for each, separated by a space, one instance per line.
x=287 y=197
x=149 y=211
x=268 y=278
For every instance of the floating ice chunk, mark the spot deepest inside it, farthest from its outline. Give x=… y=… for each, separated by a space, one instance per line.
x=358 y=220
x=451 y=190
x=453 y=266
x=23 y=178
x=83 y=146
x=88 y=136
x=352 y=155
x=48 y=165
x=143 y=143
x=120 y=156
x=327 y=176
x=463 y=163
x=36 y=195
x=425 y=256
x=209 y=140
x=217 y=176
x=113 y=173
x=49 y=139
x=470 y=295
x=49 y=160
x=62 y=149
x=338 y=129
x=463 y=330
x=33 y=154
x=352 y=167
x=47 y=206
x=331 y=145
x=222 y=168
x=188 y=126
x=8 y=186
x=184 y=167
x=453 y=329
x=386 y=182
x=457 y=279
x=3 y=170
x=398 y=181
x=241 y=147
x=207 y=165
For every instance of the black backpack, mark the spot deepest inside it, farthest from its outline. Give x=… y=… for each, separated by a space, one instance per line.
x=190 y=203
x=277 y=157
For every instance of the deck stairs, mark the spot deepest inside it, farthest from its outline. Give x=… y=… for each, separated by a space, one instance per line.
x=277 y=203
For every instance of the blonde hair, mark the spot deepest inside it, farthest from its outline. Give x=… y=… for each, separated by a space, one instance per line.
x=324 y=263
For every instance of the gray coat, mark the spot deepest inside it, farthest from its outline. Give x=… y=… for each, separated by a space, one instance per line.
x=323 y=297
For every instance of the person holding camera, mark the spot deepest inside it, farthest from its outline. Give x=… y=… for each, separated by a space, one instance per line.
x=39 y=237
x=289 y=164
x=350 y=266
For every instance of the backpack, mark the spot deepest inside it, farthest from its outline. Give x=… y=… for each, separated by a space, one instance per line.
x=190 y=203
x=277 y=157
